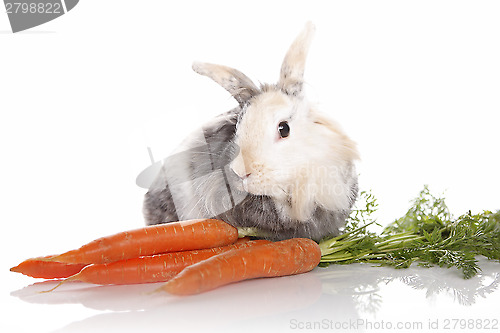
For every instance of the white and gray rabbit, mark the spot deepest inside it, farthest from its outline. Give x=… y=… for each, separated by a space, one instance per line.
x=274 y=163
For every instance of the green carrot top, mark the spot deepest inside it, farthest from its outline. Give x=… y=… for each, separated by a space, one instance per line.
x=427 y=234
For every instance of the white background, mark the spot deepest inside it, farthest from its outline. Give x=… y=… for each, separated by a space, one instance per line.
x=414 y=83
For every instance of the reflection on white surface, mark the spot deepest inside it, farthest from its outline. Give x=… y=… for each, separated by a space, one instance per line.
x=354 y=297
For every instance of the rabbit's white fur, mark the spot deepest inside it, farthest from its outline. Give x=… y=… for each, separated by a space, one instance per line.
x=302 y=171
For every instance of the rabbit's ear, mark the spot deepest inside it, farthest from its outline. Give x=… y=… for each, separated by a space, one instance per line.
x=234 y=81
x=292 y=69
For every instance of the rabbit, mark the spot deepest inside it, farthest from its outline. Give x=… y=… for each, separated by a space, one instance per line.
x=274 y=164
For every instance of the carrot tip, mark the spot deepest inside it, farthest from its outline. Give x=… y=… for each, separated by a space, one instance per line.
x=52 y=289
x=71 y=278
x=154 y=291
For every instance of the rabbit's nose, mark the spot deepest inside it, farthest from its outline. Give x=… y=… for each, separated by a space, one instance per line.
x=240 y=168
x=241 y=174
x=244 y=176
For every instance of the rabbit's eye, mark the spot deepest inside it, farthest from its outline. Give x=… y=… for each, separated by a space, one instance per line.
x=283 y=129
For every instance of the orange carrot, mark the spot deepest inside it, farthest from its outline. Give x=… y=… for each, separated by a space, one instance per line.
x=161 y=238
x=41 y=268
x=156 y=268
x=292 y=256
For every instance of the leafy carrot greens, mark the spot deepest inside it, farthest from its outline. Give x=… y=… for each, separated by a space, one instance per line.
x=427 y=234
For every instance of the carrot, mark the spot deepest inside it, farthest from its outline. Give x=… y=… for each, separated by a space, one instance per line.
x=40 y=268
x=156 y=268
x=288 y=257
x=161 y=238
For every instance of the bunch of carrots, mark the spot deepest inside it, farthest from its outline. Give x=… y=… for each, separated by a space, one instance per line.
x=190 y=256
